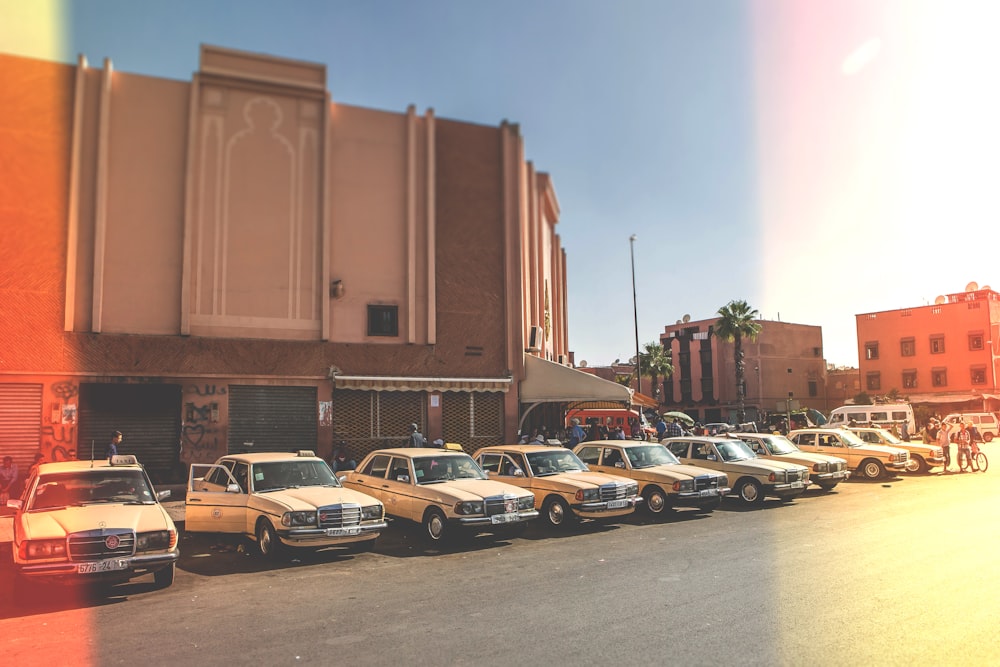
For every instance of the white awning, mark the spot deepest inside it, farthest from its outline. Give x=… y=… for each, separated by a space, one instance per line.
x=547 y=382
x=391 y=383
x=962 y=397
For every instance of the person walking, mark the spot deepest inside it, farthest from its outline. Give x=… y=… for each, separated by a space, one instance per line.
x=576 y=433
x=944 y=440
x=8 y=478
x=416 y=438
x=116 y=439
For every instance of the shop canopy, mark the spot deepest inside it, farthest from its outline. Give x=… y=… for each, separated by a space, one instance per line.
x=548 y=382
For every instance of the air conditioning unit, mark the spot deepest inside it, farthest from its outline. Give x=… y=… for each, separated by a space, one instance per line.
x=534 y=339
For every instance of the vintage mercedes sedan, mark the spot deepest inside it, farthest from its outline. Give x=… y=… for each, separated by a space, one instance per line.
x=826 y=471
x=865 y=459
x=92 y=521
x=921 y=457
x=751 y=478
x=664 y=482
x=442 y=490
x=280 y=500
x=564 y=487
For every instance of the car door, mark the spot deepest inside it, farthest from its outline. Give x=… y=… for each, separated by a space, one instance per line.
x=212 y=503
x=370 y=478
x=399 y=490
x=510 y=463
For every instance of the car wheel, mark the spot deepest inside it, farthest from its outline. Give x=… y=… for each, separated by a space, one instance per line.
x=913 y=463
x=165 y=577
x=872 y=469
x=921 y=463
x=556 y=512
x=988 y=437
x=267 y=540
x=435 y=525
x=750 y=491
x=656 y=500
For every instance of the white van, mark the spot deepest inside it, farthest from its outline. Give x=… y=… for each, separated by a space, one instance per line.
x=883 y=414
x=985 y=422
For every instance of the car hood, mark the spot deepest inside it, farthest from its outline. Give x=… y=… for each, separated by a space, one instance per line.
x=807 y=459
x=476 y=489
x=58 y=523
x=688 y=470
x=766 y=465
x=576 y=480
x=310 y=497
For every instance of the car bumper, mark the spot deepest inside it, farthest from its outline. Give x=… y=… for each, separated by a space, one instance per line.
x=68 y=571
x=600 y=509
x=786 y=490
x=895 y=465
x=325 y=537
x=495 y=520
x=699 y=498
x=839 y=476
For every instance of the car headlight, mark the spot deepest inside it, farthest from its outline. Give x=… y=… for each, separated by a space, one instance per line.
x=469 y=507
x=371 y=512
x=632 y=489
x=588 y=494
x=159 y=539
x=821 y=467
x=43 y=549
x=526 y=503
x=298 y=518
x=772 y=477
x=684 y=486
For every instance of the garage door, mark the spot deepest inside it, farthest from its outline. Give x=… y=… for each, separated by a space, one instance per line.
x=20 y=422
x=272 y=419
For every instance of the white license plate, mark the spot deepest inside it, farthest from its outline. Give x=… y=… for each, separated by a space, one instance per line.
x=617 y=504
x=342 y=532
x=707 y=492
x=504 y=518
x=797 y=485
x=109 y=565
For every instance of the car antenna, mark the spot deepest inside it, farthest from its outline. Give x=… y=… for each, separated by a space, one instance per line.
x=91 y=452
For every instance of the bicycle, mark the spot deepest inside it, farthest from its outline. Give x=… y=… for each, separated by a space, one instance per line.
x=976 y=462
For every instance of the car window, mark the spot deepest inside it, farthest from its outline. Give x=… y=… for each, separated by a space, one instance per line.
x=590 y=455
x=377 y=466
x=678 y=449
x=220 y=476
x=512 y=462
x=399 y=470
x=826 y=440
x=612 y=457
x=490 y=462
x=241 y=471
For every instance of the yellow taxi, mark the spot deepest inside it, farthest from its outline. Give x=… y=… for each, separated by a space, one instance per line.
x=563 y=486
x=443 y=490
x=87 y=521
x=280 y=500
x=664 y=482
x=826 y=471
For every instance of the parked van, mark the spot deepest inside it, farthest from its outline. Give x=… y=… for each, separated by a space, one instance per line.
x=985 y=422
x=611 y=417
x=883 y=414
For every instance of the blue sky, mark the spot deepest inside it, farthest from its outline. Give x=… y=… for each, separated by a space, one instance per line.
x=817 y=159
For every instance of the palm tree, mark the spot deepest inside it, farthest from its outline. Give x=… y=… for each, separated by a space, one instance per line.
x=736 y=322
x=656 y=362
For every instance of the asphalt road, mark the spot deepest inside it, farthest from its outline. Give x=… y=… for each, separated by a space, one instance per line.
x=897 y=573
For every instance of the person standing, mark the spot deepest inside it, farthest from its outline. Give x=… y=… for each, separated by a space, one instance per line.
x=8 y=478
x=674 y=429
x=661 y=429
x=116 y=439
x=944 y=440
x=964 y=441
x=416 y=438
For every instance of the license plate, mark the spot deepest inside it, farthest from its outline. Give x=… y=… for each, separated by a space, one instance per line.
x=504 y=518
x=797 y=485
x=617 y=504
x=706 y=492
x=109 y=565
x=342 y=532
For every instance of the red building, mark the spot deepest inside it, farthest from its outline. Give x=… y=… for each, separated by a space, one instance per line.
x=945 y=354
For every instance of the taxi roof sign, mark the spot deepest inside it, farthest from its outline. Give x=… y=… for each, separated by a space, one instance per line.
x=306 y=452
x=124 y=460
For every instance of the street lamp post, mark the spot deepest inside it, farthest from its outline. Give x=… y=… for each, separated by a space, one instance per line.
x=635 y=316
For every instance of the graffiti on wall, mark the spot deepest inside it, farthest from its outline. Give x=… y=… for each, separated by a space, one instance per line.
x=202 y=437
x=58 y=435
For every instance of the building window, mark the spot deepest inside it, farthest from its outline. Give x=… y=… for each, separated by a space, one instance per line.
x=871 y=351
x=383 y=320
x=813 y=389
x=707 y=387
x=939 y=377
x=907 y=347
x=910 y=379
x=817 y=352
x=975 y=341
x=978 y=374
x=873 y=381
x=937 y=344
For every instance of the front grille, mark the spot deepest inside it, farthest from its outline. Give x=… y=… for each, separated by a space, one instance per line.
x=506 y=504
x=613 y=492
x=902 y=457
x=794 y=476
x=339 y=516
x=706 y=482
x=101 y=544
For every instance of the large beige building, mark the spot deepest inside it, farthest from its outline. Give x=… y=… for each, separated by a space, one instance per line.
x=240 y=262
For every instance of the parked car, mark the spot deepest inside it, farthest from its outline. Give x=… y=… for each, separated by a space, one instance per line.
x=985 y=422
x=751 y=478
x=869 y=461
x=564 y=487
x=664 y=482
x=442 y=490
x=825 y=471
x=922 y=457
x=92 y=521
x=281 y=500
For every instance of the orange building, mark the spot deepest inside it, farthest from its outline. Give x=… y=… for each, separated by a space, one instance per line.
x=946 y=354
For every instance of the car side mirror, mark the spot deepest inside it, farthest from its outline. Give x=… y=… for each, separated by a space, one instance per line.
x=342 y=478
x=518 y=473
x=711 y=457
x=233 y=488
x=163 y=495
x=13 y=504
x=620 y=464
x=403 y=478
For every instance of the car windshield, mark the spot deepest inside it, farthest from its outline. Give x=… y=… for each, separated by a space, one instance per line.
x=851 y=440
x=447 y=467
x=553 y=462
x=647 y=456
x=779 y=444
x=888 y=437
x=90 y=487
x=292 y=474
x=737 y=450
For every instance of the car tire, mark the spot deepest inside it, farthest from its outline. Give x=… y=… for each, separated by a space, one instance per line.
x=750 y=491
x=164 y=578
x=556 y=512
x=435 y=526
x=988 y=437
x=268 y=544
x=920 y=466
x=871 y=469
x=655 y=501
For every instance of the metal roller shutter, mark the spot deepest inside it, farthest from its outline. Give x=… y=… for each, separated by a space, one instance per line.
x=20 y=423
x=272 y=419
x=149 y=417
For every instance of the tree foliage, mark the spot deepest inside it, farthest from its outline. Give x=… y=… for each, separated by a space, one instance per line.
x=655 y=362
x=737 y=321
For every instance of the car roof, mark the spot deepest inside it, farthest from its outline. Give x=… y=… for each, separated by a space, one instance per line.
x=412 y=452
x=614 y=443
x=700 y=438
x=264 y=457
x=525 y=449
x=75 y=466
